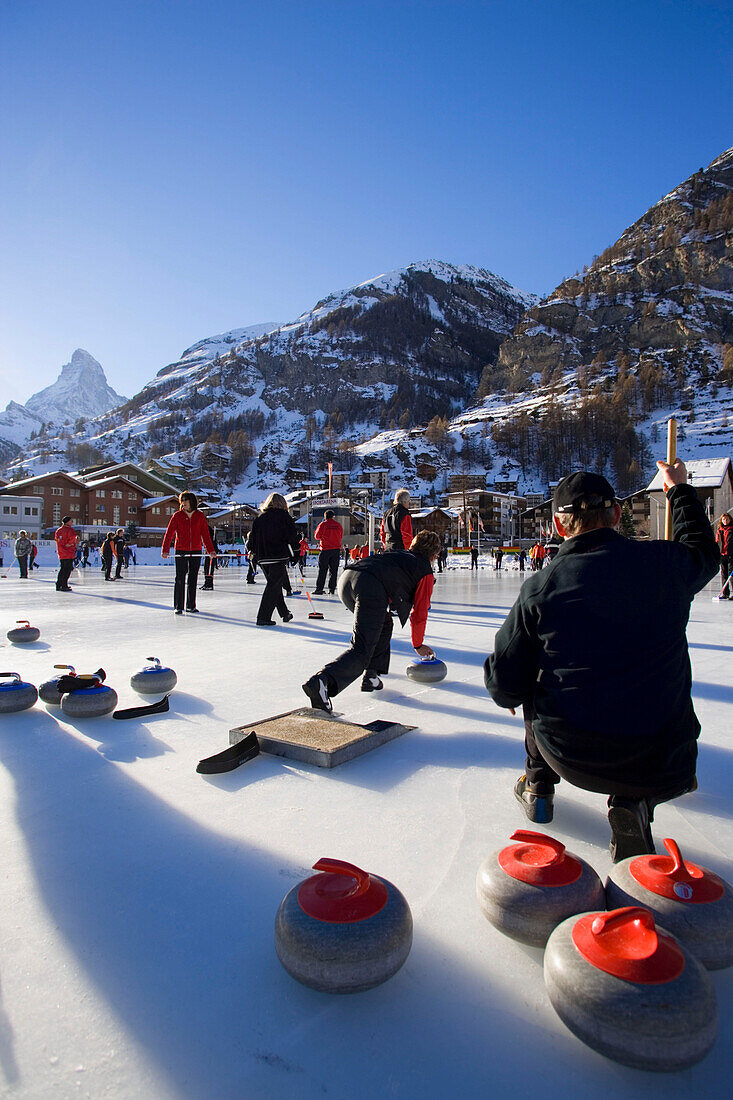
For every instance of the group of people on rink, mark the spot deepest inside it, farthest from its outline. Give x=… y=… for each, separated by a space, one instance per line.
x=594 y=649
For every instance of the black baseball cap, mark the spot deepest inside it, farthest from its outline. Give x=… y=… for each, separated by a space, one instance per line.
x=581 y=491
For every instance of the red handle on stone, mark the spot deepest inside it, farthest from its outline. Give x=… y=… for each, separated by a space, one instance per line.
x=631 y=926
x=341 y=867
x=541 y=840
x=679 y=871
x=22 y=622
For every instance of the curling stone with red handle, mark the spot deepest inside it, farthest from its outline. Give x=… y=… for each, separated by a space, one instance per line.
x=92 y=701
x=15 y=694
x=526 y=889
x=23 y=632
x=343 y=931
x=154 y=679
x=630 y=990
x=689 y=901
x=428 y=670
x=49 y=692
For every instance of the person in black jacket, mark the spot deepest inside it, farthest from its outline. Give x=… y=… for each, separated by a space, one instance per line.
x=400 y=578
x=107 y=554
x=272 y=543
x=119 y=550
x=594 y=649
x=396 y=528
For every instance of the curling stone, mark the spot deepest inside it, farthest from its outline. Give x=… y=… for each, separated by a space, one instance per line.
x=526 y=889
x=154 y=679
x=430 y=670
x=630 y=990
x=343 y=931
x=690 y=902
x=15 y=694
x=24 y=632
x=49 y=692
x=91 y=702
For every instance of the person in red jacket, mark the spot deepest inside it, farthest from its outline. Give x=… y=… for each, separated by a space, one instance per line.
x=66 y=540
x=187 y=531
x=303 y=554
x=724 y=538
x=329 y=534
x=364 y=552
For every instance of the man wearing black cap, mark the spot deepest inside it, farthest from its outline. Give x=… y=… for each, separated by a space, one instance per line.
x=595 y=651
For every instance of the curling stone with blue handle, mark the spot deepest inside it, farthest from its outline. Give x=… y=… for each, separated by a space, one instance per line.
x=154 y=679
x=15 y=694
x=428 y=670
x=689 y=901
x=90 y=702
x=49 y=692
x=527 y=889
x=630 y=990
x=23 y=632
x=343 y=931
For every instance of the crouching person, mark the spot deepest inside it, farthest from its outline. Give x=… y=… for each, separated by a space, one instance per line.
x=400 y=579
x=594 y=650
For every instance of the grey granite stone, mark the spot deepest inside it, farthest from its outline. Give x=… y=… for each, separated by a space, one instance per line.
x=90 y=702
x=662 y=1028
x=343 y=958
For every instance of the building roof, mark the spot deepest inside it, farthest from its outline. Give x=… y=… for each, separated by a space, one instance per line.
x=115 y=477
x=148 y=502
x=703 y=473
x=43 y=477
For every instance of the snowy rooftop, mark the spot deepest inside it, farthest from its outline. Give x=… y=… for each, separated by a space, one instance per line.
x=705 y=473
x=139 y=897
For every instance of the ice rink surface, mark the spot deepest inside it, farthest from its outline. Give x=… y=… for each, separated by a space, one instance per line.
x=138 y=898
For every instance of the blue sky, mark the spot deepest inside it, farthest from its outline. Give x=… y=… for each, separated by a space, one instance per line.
x=172 y=169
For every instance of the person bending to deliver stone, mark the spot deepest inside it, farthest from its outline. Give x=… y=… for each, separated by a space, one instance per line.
x=594 y=650
x=272 y=543
x=329 y=534
x=400 y=578
x=187 y=531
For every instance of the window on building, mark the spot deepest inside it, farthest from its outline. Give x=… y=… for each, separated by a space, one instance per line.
x=74 y=492
x=37 y=490
x=13 y=509
x=57 y=513
x=132 y=496
x=156 y=511
x=100 y=508
x=100 y=494
x=75 y=508
x=116 y=516
x=131 y=510
x=6 y=509
x=116 y=494
x=56 y=492
x=34 y=511
x=26 y=511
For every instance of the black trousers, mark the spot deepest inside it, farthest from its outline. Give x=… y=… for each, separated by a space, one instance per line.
x=328 y=563
x=726 y=567
x=23 y=564
x=187 y=571
x=65 y=567
x=118 y=570
x=106 y=566
x=541 y=767
x=369 y=647
x=273 y=597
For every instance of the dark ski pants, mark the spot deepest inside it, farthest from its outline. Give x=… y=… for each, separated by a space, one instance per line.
x=328 y=563
x=369 y=647
x=107 y=566
x=65 y=567
x=23 y=564
x=118 y=569
x=726 y=567
x=541 y=767
x=277 y=579
x=187 y=571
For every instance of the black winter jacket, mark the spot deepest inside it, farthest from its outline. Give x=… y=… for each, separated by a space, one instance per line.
x=393 y=519
x=399 y=572
x=274 y=537
x=596 y=644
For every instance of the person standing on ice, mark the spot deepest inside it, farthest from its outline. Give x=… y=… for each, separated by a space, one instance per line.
x=594 y=650
x=66 y=539
x=402 y=579
x=108 y=556
x=724 y=538
x=329 y=534
x=272 y=543
x=303 y=549
x=23 y=547
x=187 y=530
x=396 y=527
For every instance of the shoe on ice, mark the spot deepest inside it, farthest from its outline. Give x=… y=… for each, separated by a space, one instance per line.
x=372 y=682
x=317 y=691
x=535 y=799
x=288 y=616
x=630 y=827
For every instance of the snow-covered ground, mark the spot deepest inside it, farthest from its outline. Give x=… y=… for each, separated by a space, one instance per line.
x=138 y=897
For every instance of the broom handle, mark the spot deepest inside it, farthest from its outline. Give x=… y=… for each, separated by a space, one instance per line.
x=671 y=459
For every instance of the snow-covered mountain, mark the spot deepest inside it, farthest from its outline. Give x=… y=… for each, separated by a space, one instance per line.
x=81 y=390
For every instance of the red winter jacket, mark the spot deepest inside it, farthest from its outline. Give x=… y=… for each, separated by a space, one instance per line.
x=187 y=532
x=724 y=539
x=329 y=534
x=66 y=538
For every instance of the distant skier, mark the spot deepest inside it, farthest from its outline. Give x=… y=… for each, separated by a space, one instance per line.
x=402 y=579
